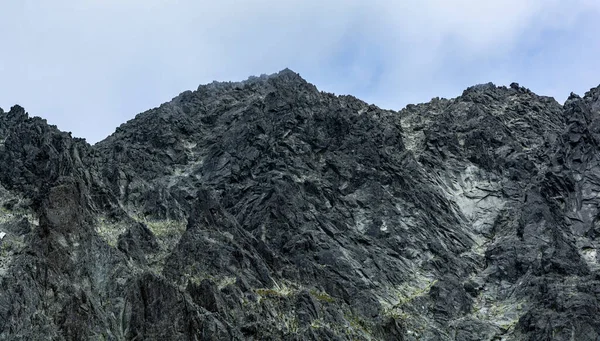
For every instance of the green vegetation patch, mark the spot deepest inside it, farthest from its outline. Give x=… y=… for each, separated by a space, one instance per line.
x=322 y=296
x=109 y=230
x=278 y=290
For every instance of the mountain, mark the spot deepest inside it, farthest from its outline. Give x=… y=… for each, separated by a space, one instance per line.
x=268 y=210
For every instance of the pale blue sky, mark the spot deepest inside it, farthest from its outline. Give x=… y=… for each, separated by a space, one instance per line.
x=90 y=65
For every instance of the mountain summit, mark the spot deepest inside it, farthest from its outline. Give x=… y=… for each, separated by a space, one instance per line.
x=268 y=210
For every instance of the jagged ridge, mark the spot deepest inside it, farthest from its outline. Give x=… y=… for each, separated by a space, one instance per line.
x=266 y=209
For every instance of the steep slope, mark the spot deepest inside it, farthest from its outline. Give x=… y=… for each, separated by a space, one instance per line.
x=499 y=154
x=266 y=209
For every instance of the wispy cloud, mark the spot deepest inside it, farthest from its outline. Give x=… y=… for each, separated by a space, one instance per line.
x=90 y=65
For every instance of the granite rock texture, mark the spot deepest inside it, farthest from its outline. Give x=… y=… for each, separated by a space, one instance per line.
x=268 y=210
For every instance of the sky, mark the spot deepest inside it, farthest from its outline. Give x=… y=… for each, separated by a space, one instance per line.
x=88 y=66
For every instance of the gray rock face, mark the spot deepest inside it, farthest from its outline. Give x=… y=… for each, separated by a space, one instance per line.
x=268 y=210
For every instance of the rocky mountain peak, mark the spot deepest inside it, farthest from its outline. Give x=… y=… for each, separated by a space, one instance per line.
x=283 y=79
x=592 y=99
x=266 y=209
x=288 y=75
x=593 y=92
x=16 y=113
x=480 y=88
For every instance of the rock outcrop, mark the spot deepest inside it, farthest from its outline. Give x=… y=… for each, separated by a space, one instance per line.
x=268 y=210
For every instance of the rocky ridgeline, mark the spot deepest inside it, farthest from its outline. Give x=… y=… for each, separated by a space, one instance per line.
x=268 y=210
